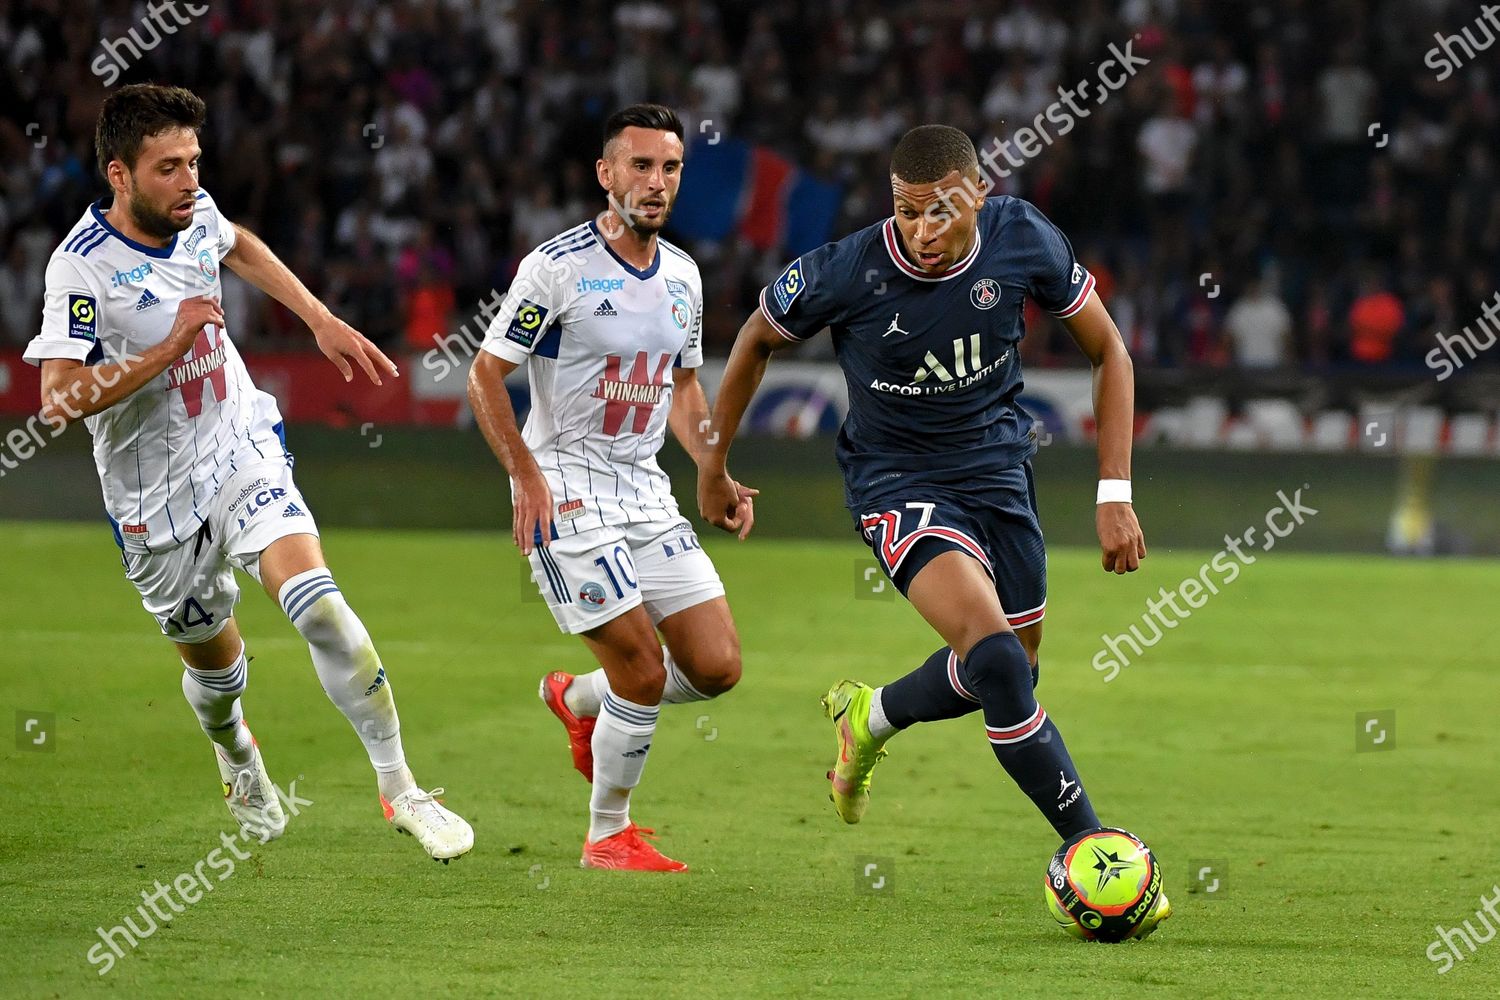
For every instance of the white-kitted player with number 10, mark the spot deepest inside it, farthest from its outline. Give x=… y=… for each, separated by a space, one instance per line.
x=196 y=475
x=608 y=318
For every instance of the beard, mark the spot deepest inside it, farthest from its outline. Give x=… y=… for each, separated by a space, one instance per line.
x=637 y=222
x=158 y=225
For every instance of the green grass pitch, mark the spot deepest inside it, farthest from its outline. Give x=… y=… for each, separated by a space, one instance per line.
x=1232 y=742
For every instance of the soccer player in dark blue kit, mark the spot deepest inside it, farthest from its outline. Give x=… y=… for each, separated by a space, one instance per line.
x=925 y=310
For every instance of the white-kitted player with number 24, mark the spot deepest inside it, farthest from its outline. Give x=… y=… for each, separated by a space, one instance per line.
x=191 y=456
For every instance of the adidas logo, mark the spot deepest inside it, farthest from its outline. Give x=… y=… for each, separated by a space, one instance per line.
x=637 y=753
x=147 y=301
x=292 y=510
x=605 y=309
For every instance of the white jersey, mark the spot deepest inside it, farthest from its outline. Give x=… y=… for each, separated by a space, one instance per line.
x=163 y=452
x=602 y=339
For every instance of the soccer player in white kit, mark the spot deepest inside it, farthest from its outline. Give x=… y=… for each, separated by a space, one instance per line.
x=196 y=476
x=608 y=318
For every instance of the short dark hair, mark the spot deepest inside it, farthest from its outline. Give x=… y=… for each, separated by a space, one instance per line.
x=929 y=153
x=133 y=114
x=653 y=116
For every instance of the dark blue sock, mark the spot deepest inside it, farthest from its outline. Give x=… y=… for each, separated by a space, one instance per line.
x=933 y=691
x=1025 y=741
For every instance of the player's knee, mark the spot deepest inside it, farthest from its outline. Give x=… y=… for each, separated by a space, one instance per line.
x=998 y=666
x=643 y=675
x=725 y=677
x=976 y=632
x=718 y=671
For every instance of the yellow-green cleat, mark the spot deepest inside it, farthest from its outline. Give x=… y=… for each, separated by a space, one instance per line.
x=847 y=704
x=1161 y=911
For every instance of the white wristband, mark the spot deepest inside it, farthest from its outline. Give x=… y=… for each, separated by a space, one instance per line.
x=1113 y=491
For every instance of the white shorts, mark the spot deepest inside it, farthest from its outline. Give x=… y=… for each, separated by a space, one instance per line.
x=190 y=590
x=595 y=576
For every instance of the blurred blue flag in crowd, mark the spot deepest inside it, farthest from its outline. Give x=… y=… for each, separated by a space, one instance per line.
x=735 y=188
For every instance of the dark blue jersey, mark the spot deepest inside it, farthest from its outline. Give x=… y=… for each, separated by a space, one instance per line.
x=931 y=362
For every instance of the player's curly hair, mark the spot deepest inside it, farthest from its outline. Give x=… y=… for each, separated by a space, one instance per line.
x=652 y=116
x=133 y=114
x=929 y=153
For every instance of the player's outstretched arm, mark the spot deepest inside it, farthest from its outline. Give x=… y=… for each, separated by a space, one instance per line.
x=339 y=342
x=72 y=390
x=719 y=498
x=497 y=421
x=693 y=429
x=688 y=417
x=1120 y=540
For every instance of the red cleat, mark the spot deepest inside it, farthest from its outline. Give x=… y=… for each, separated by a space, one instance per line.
x=580 y=730
x=628 y=851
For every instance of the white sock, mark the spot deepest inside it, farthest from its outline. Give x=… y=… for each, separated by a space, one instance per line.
x=880 y=726
x=584 y=696
x=350 y=671
x=621 y=741
x=215 y=698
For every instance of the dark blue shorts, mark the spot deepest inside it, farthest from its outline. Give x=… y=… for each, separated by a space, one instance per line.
x=993 y=519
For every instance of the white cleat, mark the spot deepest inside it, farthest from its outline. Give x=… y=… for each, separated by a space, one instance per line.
x=442 y=833
x=251 y=797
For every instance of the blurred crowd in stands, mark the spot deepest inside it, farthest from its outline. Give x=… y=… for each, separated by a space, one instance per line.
x=1287 y=183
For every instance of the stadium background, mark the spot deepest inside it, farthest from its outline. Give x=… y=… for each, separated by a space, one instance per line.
x=1318 y=744
x=1285 y=208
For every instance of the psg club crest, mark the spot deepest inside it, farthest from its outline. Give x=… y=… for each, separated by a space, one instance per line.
x=985 y=294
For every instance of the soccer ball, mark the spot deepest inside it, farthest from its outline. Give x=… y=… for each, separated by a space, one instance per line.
x=1101 y=884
